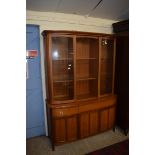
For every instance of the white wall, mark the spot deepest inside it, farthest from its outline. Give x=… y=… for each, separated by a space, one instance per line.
x=61 y=21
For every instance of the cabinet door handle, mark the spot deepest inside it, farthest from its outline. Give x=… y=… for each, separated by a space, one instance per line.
x=61 y=113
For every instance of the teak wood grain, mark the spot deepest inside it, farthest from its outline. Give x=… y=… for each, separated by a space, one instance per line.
x=80 y=70
x=71 y=128
x=84 y=125
x=94 y=121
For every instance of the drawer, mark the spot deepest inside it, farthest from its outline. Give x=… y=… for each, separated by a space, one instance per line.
x=62 y=112
x=99 y=104
x=109 y=102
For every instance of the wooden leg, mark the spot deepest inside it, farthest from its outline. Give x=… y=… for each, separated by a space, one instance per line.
x=53 y=147
x=126 y=132
x=113 y=129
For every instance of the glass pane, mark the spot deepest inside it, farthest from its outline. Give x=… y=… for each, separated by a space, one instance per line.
x=106 y=66
x=87 y=67
x=62 y=68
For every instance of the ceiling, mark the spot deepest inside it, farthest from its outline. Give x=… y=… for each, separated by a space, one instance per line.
x=106 y=9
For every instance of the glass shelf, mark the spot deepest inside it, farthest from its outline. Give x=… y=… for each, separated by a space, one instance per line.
x=63 y=59
x=86 y=59
x=106 y=67
x=85 y=78
x=62 y=68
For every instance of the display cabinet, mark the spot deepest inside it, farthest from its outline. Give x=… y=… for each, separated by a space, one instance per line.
x=62 y=67
x=86 y=67
x=79 y=73
x=107 y=65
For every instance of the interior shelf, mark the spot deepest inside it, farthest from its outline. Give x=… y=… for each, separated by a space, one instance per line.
x=62 y=59
x=85 y=96
x=85 y=78
x=63 y=81
x=86 y=59
x=62 y=97
x=79 y=74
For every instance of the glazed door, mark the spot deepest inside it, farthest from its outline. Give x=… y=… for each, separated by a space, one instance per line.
x=107 y=66
x=62 y=56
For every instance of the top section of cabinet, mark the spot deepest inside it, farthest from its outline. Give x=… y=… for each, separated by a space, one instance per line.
x=79 y=66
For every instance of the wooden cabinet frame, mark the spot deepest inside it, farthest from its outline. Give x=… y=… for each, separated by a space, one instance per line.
x=95 y=102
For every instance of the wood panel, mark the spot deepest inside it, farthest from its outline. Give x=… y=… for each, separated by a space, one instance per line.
x=104 y=120
x=63 y=90
x=90 y=105
x=71 y=128
x=62 y=112
x=78 y=94
x=93 y=122
x=87 y=67
x=82 y=88
x=84 y=125
x=107 y=62
x=60 y=130
x=82 y=69
x=93 y=85
x=82 y=48
x=122 y=78
x=111 y=117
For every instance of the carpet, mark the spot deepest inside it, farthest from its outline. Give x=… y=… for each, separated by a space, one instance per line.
x=121 y=148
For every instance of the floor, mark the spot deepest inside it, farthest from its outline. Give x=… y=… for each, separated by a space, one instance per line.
x=42 y=145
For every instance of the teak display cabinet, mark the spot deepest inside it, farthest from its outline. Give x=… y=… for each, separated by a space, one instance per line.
x=80 y=71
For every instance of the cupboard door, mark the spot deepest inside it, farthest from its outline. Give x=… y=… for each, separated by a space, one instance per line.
x=107 y=66
x=103 y=120
x=93 y=122
x=87 y=67
x=60 y=130
x=62 y=52
x=111 y=117
x=84 y=125
x=71 y=128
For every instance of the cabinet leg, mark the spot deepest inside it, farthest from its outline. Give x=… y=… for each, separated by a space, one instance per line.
x=53 y=147
x=126 y=132
x=113 y=129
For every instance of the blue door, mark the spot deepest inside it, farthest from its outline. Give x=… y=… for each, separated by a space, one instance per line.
x=34 y=96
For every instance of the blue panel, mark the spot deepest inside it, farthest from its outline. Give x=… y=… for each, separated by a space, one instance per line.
x=34 y=96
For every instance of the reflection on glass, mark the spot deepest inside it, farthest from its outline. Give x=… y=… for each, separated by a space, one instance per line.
x=55 y=55
x=62 y=68
x=106 y=66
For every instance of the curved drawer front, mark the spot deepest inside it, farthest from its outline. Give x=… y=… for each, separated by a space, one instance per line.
x=62 y=112
x=101 y=104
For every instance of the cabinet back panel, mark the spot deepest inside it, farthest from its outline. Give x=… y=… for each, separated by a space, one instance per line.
x=62 y=90
x=106 y=74
x=60 y=70
x=107 y=49
x=86 y=89
x=82 y=48
x=94 y=48
x=82 y=69
x=62 y=47
x=93 y=87
x=106 y=85
x=82 y=87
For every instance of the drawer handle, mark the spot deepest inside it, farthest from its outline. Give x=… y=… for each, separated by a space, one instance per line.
x=61 y=113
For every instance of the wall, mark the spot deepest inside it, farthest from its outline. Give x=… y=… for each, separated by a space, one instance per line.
x=61 y=21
